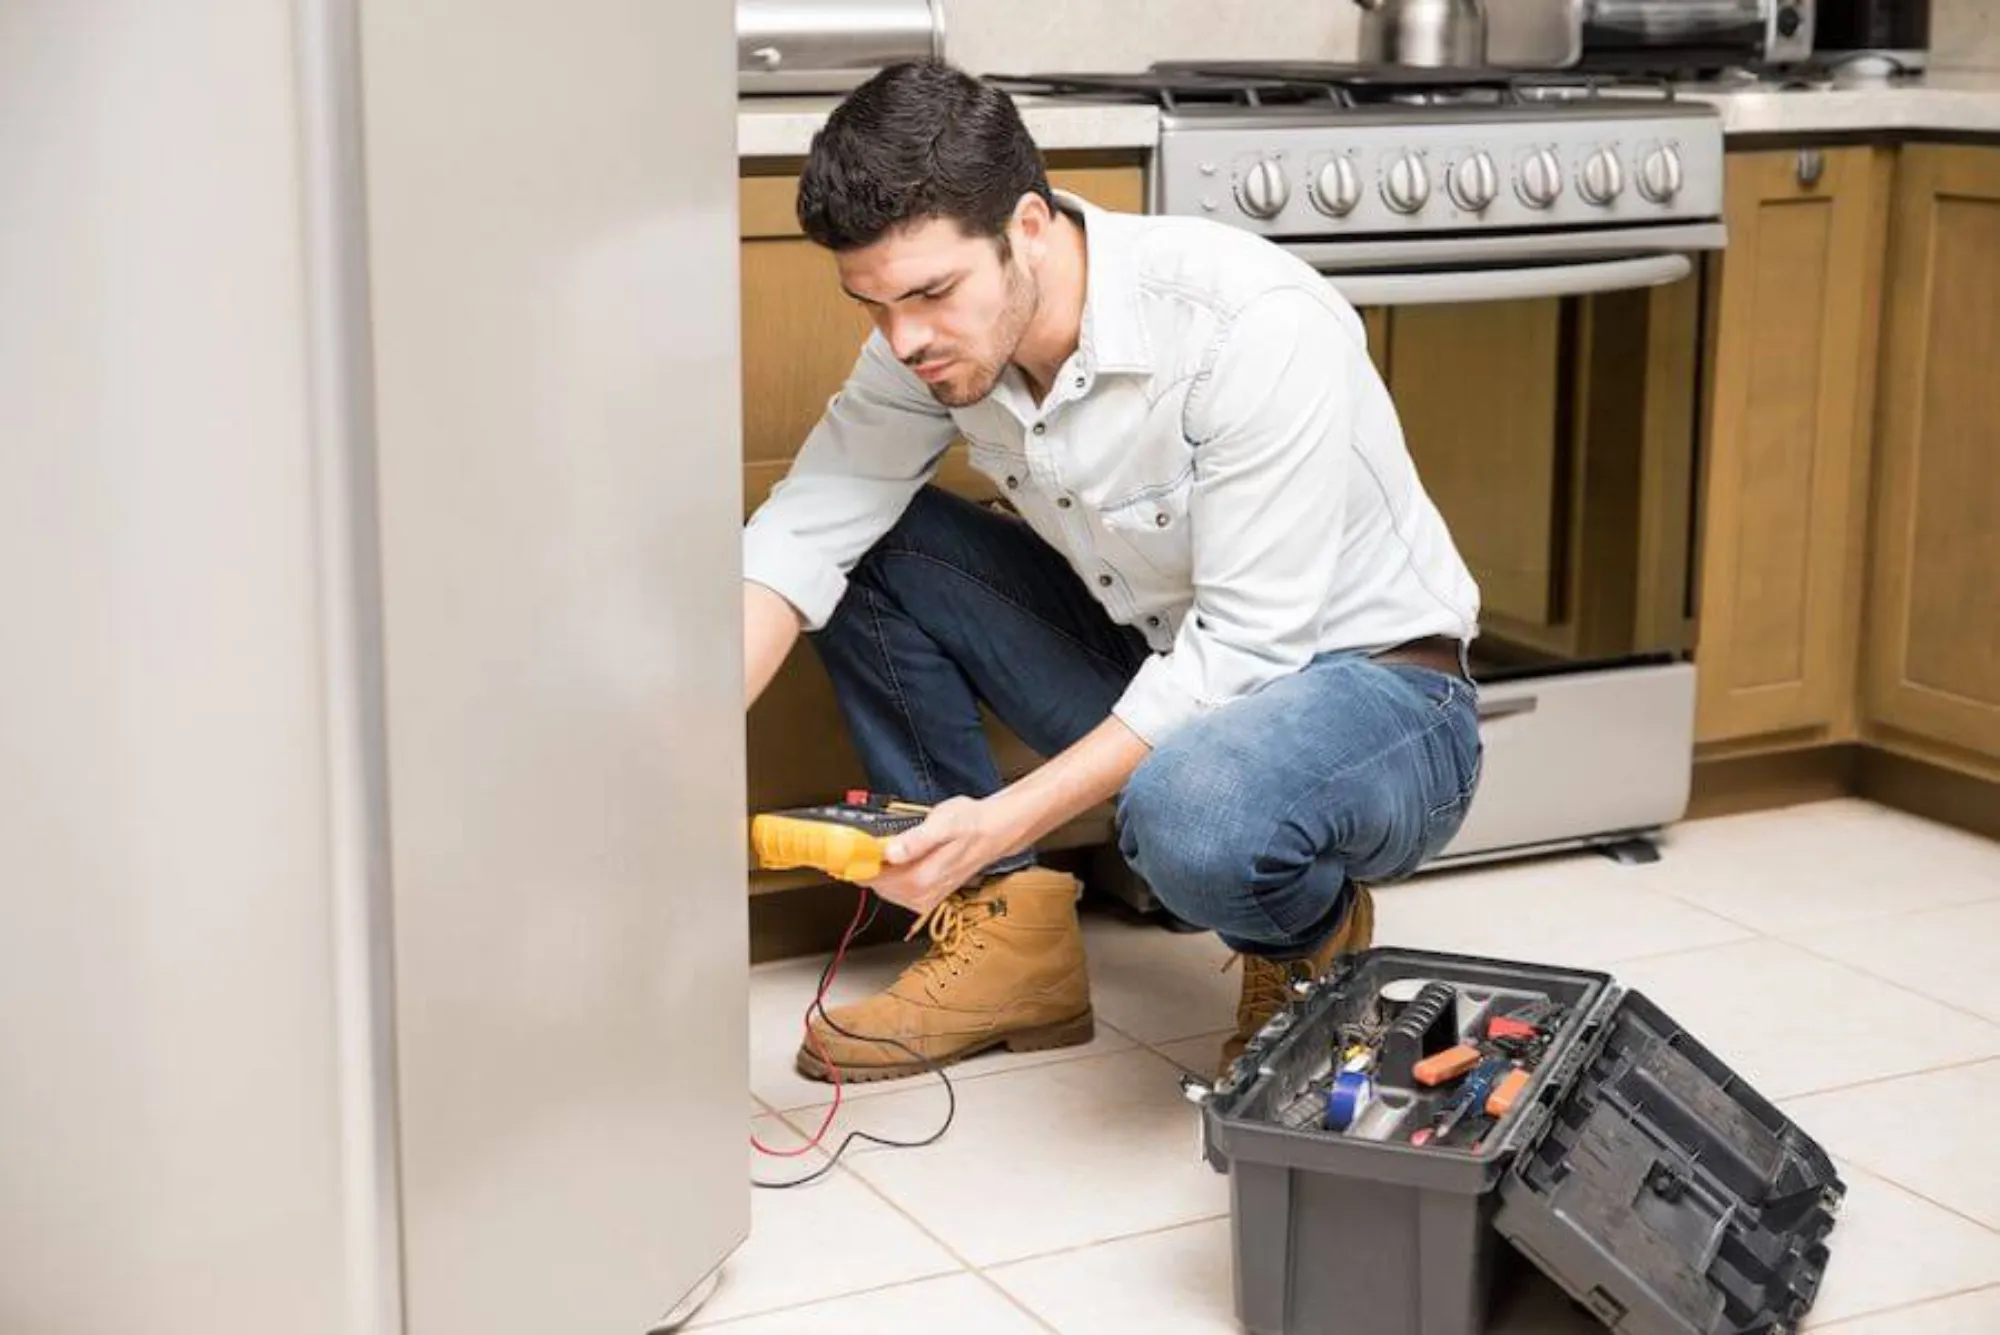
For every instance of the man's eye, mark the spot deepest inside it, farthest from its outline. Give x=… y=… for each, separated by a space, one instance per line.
x=939 y=293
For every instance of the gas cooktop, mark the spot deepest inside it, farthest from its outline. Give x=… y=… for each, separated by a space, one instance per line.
x=1303 y=148
x=1185 y=85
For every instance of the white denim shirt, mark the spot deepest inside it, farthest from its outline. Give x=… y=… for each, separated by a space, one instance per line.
x=1219 y=460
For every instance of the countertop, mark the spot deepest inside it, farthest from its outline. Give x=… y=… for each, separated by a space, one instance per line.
x=1961 y=102
x=783 y=127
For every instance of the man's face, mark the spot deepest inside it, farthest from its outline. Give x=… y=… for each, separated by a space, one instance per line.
x=950 y=307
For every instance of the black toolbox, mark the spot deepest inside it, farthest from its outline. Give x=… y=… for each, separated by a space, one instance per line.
x=1633 y=1168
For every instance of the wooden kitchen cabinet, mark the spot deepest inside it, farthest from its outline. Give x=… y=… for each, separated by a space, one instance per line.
x=801 y=335
x=1932 y=680
x=1790 y=356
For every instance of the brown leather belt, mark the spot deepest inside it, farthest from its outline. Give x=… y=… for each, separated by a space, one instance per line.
x=1439 y=653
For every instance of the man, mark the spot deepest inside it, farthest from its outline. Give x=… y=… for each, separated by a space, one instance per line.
x=1222 y=595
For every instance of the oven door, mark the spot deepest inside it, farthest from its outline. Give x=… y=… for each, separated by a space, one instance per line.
x=1547 y=388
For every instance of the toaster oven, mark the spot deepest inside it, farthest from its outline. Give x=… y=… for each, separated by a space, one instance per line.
x=1675 y=36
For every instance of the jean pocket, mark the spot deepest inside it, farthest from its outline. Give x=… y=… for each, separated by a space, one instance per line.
x=1441 y=689
x=1462 y=759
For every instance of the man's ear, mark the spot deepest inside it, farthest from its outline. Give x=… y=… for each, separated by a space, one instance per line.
x=1030 y=226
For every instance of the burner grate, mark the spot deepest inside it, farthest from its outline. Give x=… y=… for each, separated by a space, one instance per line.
x=1177 y=85
x=1171 y=90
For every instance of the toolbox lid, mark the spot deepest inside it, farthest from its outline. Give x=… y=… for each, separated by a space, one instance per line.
x=1663 y=1193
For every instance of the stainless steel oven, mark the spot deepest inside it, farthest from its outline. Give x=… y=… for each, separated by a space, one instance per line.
x=1526 y=253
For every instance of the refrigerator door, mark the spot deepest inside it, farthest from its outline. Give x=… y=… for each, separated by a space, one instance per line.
x=551 y=231
x=371 y=766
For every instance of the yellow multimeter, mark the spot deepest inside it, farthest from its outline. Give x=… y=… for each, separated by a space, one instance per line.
x=847 y=840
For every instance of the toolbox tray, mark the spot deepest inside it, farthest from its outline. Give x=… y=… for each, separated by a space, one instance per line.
x=1665 y=1194
x=1638 y=1172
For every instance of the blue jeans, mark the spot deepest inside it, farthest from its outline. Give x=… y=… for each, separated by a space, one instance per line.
x=1255 y=820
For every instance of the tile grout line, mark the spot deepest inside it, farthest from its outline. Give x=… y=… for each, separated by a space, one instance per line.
x=1909 y=1190
x=1754 y=936
x=1035 y=1257
x=1873 y=1080
x=807 y=1304
x=1859 y=1317
x=1983 y=899
x=959 y=1075
x=966 y=1265
x=1016 y=1303
x=1890 y=982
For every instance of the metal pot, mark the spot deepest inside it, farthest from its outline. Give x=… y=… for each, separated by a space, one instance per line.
x=1433 y=34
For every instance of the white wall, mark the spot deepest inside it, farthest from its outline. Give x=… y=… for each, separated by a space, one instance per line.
x=1965 y=34
x=170 y=1159
x=1004 y=36
x=1008 y=37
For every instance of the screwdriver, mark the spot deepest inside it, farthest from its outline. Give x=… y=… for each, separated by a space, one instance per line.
x=1466 y=1097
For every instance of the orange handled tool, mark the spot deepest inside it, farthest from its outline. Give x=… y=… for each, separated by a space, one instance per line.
x=1501 y=1101
x=1447 y=1065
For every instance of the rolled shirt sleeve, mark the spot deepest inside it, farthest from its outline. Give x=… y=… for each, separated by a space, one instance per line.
x=879 y=441
x=1270 y=418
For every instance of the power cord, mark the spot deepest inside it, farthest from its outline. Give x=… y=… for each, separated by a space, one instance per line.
x=817 y=1007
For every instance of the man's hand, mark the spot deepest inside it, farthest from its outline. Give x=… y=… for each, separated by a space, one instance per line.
x=959 y=838
x=963 y=836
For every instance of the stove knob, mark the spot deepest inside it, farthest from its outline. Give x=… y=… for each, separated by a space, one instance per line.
x=1660 y=176
x=1263 y=192
x=1603 y=177
x=1541 y=183
x=1336 y=189
x=1474 y=183
x=1407 y=187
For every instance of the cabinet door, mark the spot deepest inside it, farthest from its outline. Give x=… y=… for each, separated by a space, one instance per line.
x=1791 y=384
x=1934 y=623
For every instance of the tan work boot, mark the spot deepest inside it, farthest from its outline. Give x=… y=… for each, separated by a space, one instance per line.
x=1005 y=969
x=1267 y=983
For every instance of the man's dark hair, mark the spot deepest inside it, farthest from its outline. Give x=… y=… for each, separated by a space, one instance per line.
x=919 y=140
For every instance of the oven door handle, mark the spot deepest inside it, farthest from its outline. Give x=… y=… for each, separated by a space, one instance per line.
x=1438 y=287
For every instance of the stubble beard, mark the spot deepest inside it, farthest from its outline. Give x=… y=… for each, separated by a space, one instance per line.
x=1024 y=299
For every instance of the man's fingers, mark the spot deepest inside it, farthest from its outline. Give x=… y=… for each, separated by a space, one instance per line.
x=912 y=845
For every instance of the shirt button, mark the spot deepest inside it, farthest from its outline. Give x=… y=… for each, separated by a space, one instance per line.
x=1013 y=483
x=1062 y=502
x=1160 y=520
x=1105 y=580
x=1079 y=382
x=1153 y=621
x=1041 y=428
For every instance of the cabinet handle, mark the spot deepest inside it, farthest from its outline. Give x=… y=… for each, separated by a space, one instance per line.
x=1812 y=166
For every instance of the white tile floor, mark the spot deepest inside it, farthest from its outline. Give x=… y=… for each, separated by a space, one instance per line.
x=1844 y=958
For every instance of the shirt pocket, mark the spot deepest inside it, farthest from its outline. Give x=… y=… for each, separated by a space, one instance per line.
x=1151 y=524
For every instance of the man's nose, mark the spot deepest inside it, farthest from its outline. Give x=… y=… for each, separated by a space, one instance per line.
x=907 y=334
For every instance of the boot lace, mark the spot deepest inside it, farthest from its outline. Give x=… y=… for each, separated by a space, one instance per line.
x=954 y=935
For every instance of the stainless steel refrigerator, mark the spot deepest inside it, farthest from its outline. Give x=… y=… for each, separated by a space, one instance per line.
x=371 y=759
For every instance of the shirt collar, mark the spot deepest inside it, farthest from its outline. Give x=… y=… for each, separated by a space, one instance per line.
x=1113 y=335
